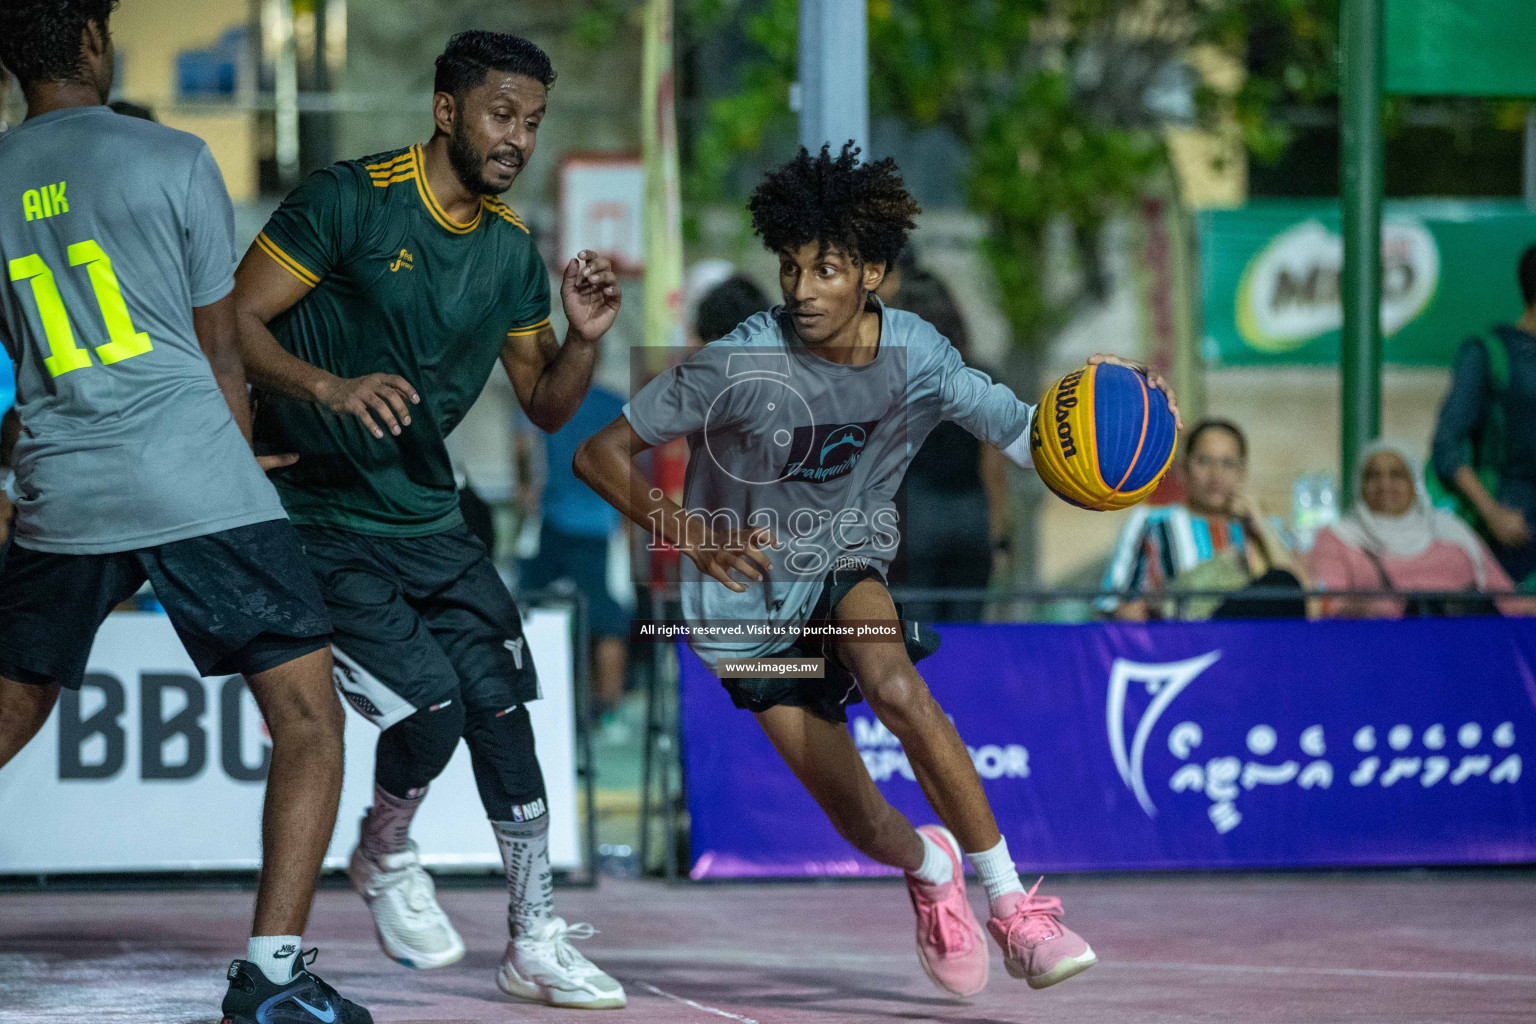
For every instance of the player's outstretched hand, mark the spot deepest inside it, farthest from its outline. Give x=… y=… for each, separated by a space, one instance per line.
x=382 y=394
x=739 y=550
x=270 y=462
x=1155 y=379
x=590 y=293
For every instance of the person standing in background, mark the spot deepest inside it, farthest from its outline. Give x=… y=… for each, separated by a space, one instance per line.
x=577 y=540
x=1485 y=439
x=957 y=517
x=727 y=305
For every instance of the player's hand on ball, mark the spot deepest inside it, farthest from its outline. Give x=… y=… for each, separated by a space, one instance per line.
x=379 y=394
x=270 y=462
x=1157 y=380
x=724 y=551
x=590 y=293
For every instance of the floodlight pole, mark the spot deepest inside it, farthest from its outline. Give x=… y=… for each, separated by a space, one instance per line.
x=832 y=96
x=1528 y=175
x=1360 y=284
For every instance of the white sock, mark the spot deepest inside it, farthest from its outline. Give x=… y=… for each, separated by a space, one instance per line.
x=276 y=955
x=387 y=825
x=937 y=867
x=530 y=883
x=997 y=872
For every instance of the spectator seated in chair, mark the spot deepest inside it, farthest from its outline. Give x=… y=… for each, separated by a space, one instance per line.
x=1217 y=540
x=1395 y=540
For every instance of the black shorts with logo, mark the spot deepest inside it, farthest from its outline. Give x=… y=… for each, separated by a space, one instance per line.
x=420 y=621
x=827 y=698
x=242 y=601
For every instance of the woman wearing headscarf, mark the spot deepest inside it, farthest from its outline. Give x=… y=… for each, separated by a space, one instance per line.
x=1395 y=540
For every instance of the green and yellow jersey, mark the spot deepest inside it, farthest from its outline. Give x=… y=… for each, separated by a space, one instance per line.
x=396 y=287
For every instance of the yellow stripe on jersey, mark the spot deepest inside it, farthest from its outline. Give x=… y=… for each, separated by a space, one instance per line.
x=393 y=164
x=523 y=332
x=505 y=212
x=402 y=168
x=438 y=213
x=287 y=262
x=405 y=175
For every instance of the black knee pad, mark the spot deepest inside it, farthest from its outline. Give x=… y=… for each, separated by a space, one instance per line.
x=506 y=765
x=415 y=750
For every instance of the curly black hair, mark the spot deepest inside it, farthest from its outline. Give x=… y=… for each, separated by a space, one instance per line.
x=40 y=39
x=838 y=202
x=469 y=55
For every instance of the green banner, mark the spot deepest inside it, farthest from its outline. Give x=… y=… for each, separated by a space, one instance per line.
x=1461 y=47
x=1269 y=278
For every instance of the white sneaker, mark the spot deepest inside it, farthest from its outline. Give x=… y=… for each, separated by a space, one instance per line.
x=412 y=928
x=543 y=966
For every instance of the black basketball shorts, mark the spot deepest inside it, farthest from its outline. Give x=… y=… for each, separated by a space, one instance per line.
x=826 y=698
x=242 y=601
x=420 y=621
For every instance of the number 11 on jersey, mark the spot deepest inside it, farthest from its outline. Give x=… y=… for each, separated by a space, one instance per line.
x=64 y=354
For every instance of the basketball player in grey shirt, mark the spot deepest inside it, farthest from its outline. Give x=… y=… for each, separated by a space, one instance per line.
x=801 y=425
x=134 y=462
x=812 y=451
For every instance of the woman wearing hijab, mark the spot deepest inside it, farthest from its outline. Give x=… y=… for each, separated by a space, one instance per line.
x=1394 y=540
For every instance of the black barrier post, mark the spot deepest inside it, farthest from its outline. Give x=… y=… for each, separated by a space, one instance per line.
x=648 y=749
x=671 y=751
x=585 y=765
x=660 y=753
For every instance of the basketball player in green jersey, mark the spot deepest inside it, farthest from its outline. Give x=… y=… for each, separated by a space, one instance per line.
x=372 y=310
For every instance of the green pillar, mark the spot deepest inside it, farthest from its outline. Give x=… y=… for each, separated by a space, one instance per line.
x=1360 y=285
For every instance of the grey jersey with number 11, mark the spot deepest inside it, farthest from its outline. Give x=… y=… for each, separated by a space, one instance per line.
x=111 y=230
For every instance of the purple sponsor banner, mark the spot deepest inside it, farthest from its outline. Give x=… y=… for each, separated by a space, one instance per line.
x=1193 y=745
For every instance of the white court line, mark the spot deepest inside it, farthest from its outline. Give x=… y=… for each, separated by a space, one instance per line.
x=1345 y=972
x=697 y=1006
x=874 y=960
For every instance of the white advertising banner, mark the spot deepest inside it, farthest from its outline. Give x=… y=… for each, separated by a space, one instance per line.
x=149 y=768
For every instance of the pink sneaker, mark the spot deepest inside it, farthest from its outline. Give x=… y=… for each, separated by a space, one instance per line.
x=950 y=945
x=1036 y=946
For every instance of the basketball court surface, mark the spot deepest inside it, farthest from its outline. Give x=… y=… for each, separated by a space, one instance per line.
x=1393 y=948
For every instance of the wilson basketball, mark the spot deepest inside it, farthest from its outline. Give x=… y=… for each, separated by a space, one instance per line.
x=1103 y=437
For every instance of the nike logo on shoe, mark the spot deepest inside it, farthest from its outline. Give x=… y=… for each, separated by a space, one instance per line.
x=326 y=1016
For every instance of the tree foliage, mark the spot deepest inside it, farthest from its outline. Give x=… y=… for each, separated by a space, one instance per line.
x=1056 y=107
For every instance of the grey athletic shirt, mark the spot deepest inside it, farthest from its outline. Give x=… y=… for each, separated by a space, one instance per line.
x=112 y=229
x=812 y=449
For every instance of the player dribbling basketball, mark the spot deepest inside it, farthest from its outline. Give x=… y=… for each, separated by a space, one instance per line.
x=801 y=425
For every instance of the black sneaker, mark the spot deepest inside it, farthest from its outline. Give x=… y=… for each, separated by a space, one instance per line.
x=253 y=999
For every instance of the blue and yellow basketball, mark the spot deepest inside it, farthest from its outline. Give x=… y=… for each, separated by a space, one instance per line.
x=1103 y=437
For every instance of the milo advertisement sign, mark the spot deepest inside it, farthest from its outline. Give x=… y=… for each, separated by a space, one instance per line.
x=1269 y=278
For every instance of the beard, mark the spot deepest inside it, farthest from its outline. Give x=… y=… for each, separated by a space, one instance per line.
x=468 y=165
